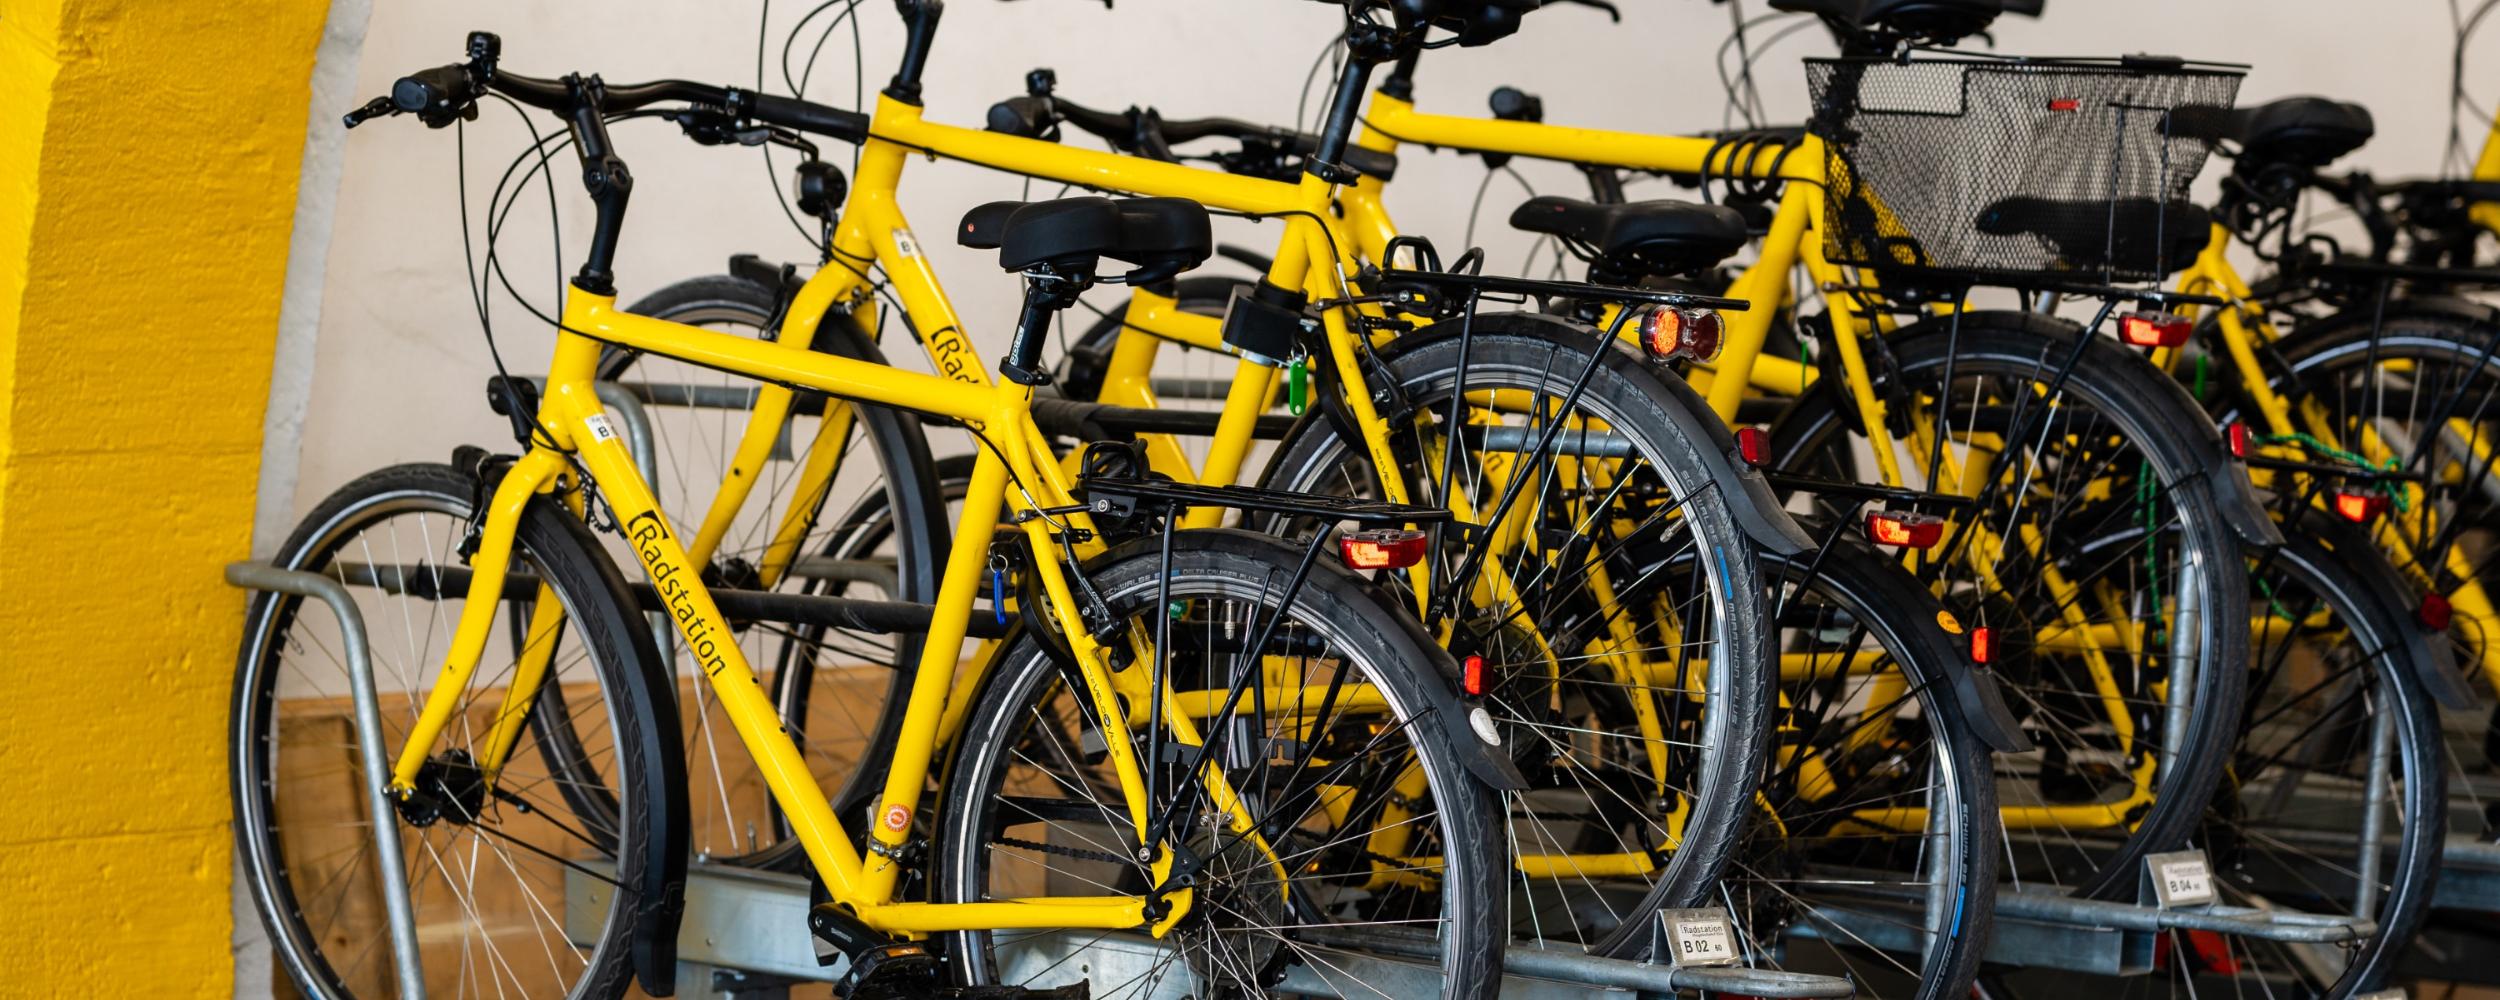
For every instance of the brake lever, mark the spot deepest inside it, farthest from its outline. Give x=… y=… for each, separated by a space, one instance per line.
x=379 y=107
x=710 y=126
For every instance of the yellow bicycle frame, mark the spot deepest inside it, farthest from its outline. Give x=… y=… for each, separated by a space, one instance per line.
x=575 y=429
x=2487 y=168
x=1316 y=256
x=1794 y=240
x=2244 y=330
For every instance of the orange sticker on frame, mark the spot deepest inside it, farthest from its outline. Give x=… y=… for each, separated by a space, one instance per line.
x=897 y=816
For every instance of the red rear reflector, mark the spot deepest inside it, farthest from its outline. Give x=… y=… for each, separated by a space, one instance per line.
x=1753 y=444
x=2435 y=612
x=1982 y=645
x=1472 y=680
x=2154 y=329
x=1383 y=548
x=2237 y=434
x=1907 y=529
x=2359 y=506
x=1670 y=334
x=2064 y=104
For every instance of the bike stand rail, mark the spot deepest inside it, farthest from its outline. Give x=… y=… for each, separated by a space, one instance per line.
x=401 y=913
x=744 y=937
x=2469 y=874
x=2048 y=930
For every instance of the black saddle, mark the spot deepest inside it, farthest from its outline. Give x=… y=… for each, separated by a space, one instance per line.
x=1940 y=18
x=2301 y=131
x=2081 y=231
x=1161 y=237
x=1640 y=238
x=1476 y=22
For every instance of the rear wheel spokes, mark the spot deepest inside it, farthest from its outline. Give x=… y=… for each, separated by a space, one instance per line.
x=1312 y=814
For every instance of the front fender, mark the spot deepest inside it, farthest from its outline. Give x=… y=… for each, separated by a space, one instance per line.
x=1928 y=642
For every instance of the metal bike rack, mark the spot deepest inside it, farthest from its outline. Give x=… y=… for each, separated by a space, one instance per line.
x=2469 y=875
x=396 y=906
x=745 y=937
x=745 y=934
x=2048 y=930
x=2459 y=950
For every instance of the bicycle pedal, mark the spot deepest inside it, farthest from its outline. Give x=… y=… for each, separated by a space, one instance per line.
x=903 y=970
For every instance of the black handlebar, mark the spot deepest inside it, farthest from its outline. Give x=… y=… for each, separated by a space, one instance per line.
x=438 y=96
x=446 y=94
x=1146 y=133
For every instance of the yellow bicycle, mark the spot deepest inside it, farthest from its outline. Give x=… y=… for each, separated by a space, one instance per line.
x=2115 y=535
x=1251 y=755
x=1620 y=585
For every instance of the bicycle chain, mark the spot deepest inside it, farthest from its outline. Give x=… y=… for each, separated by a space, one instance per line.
x=1077 y=853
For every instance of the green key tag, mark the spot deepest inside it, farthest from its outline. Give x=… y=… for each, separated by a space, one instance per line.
x=1298 y=386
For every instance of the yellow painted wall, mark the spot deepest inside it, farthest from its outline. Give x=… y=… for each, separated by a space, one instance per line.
x=148 y=157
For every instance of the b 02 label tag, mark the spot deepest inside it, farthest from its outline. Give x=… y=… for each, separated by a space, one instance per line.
x=599 y=429
x=2180 y=878
x=1700 y=937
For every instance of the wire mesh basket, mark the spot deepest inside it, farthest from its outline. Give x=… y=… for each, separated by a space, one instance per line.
x=2008 y=169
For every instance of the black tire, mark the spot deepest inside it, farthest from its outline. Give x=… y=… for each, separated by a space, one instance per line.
x=603 y=643
x=2345 y=366
x=2122 y=422
x=1718 y=756
x=1336 y=617
x=2336 y=674
x=1833 y=772
x=2285 y=827
x=802 y=667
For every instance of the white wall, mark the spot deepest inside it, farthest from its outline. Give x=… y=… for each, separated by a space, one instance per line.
x=400 y=360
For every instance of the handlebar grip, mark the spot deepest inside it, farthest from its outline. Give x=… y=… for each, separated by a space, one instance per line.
x=435 y=94
x=809 y=116
x=1027 y=116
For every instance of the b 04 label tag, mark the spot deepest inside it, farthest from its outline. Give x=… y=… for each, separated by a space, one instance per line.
x=2180 y=878
x=1700 y=937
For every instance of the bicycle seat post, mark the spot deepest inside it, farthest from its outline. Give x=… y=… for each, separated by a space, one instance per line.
x=1046 y=292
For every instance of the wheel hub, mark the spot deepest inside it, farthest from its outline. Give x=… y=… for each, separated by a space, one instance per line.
x=449 y=786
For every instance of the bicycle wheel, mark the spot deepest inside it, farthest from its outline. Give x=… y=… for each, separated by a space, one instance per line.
x=2095 y=553
x=1633 y=695
x=2418 y=391
x=837 y=690
x=1357 y=818
x=2337 y=796
x=1875 y=852
x=490 y=870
